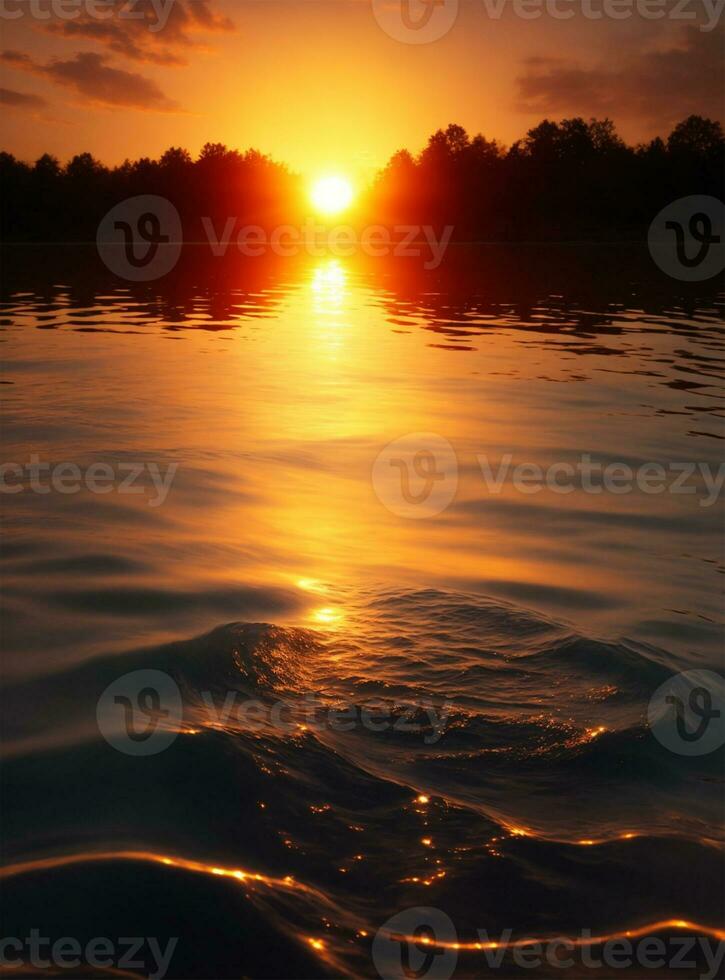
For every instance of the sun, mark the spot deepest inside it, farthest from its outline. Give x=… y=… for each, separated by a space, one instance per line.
x=331 y=195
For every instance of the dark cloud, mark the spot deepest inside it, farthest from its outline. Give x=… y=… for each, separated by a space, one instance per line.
x=89 y=75
x=158 y=31
x=659 y=87
x=17 y=59
x=20 y=100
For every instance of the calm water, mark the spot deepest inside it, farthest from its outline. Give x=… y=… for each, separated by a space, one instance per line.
x=539 y=623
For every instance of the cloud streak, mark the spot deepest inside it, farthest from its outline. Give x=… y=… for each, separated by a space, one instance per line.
x=149 y=30
x=21 y=100
x=658 y=87
x=90 y=76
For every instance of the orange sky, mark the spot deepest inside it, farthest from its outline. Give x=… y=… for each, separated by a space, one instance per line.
x=319 y=83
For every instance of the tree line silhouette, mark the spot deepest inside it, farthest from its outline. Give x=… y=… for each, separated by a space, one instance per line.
x=47 y=202
x=571 y=180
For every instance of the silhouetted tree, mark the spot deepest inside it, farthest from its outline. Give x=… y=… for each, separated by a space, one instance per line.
x=696 y=136
x=570 y=180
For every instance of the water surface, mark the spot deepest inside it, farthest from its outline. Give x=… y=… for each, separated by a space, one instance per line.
x=542 y=622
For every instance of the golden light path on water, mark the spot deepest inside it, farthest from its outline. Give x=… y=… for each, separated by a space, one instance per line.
x=251 y=878
x=295 y=438
x=351 y=410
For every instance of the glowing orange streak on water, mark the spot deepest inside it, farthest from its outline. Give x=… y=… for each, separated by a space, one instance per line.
x=647 y=930
x=248 y=877
x=516 y=831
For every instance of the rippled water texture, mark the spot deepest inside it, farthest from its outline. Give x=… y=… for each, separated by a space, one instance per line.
x=513 y=640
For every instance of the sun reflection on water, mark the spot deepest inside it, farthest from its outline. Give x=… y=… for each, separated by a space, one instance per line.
x=310 y=585
x=329 y=277
x=327 y=616
x=329 y=288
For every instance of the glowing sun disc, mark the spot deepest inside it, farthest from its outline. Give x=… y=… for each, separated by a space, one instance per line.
x=330 y=195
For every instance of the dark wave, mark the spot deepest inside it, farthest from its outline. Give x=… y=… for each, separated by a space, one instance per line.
x=542 y=789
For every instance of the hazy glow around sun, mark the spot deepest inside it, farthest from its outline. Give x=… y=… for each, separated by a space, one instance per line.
x=331 y=195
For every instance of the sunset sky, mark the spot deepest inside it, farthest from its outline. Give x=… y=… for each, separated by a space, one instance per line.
x=320 y=84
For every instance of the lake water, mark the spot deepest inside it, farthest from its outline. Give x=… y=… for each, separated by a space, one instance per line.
x=511 y=628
